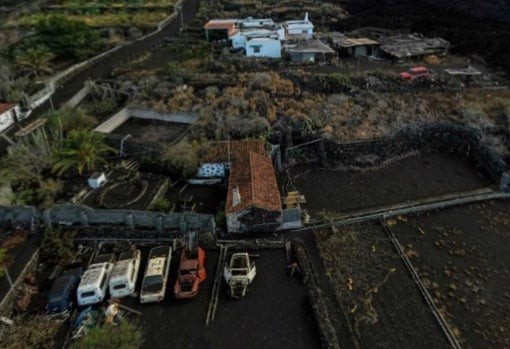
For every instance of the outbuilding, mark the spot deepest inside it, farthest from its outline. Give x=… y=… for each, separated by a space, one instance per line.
x=253 y=199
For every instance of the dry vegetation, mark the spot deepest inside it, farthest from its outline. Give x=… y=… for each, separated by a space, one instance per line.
x=250 y=103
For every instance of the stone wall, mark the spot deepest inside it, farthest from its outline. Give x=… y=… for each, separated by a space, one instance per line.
x=80 y=215
x=464 y=141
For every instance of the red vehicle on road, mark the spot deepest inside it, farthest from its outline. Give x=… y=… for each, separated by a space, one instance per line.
x=414 y=73
x=191 y=274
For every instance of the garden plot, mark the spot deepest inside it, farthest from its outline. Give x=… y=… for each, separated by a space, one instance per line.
x=382 y=303
x=462 y=257
x=414 y=177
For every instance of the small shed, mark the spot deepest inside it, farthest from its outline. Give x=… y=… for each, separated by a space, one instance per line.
x=308 y=51
x=253 y=198
x=219 y=29
x=356 y=47
x=403 y=47
x=97 y=180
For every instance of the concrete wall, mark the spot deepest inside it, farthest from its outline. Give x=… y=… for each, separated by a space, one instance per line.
x=114 y=121
x=77 y=98
x=124 y=114
x=80 y=215
x=268 y=48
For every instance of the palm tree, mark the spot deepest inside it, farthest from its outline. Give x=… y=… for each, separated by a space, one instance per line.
x=81 y=150
x=35 y=61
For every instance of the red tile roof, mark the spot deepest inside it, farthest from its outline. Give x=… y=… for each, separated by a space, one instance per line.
x=219 y=151
x=219 y=25
x=6 y=106
x=255 y=179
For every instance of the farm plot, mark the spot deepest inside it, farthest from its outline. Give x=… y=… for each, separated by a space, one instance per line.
x=382 y=303
x=415 y=177
x=462 y=257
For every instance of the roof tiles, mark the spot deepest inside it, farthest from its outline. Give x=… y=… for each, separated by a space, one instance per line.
x=253 y=176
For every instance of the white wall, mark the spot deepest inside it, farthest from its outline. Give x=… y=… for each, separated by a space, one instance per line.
x=268 y=48
x=238 y=41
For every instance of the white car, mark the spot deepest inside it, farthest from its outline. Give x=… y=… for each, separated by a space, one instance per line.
x=94 y=282
x=125 y=273
x=156 y=275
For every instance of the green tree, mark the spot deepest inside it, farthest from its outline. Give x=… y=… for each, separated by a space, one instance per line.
x=66 y=37
x=68 y=119
x=81 y=150
x=35 y=61
x=26 y=160
x=184 y=157
x=126 y=335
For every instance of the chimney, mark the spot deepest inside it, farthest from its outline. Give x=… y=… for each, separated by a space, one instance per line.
x=236 y=197
x=306 y=17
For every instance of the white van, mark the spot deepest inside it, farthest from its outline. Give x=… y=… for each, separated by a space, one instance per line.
x=125 y=272
x=156 y=274
x=94 y=282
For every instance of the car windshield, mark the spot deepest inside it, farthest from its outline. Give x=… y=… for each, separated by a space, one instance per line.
x=87 y=294
x=188 y=271
x=118 y=287
x=153 y=280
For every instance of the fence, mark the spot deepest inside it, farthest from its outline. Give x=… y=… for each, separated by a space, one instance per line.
x=6 y=302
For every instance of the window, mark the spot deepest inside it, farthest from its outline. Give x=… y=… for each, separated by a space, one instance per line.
x=256 y=49
x=88 y=294
x=119 y=287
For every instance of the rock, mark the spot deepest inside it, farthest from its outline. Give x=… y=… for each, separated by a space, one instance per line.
x=482 y=302
x=460 y=252
x=462 y=300
x=453 y=287
x=447 y=273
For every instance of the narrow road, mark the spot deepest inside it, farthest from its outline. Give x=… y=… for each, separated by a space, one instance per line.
x=103 y=67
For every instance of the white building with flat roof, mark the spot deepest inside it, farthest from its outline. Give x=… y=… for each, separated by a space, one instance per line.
x=299 y=28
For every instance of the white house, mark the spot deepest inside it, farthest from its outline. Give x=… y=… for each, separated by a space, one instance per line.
x=299 y=28
x=259 y=37
x=9 y=113
x=263 y=45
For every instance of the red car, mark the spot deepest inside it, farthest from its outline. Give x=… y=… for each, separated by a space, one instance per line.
x=190 y=275
x=414 y=73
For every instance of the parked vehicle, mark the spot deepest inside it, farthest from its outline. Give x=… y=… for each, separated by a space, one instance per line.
x=94 y=283
x=239 y=273
x=414 y=73
x=86 y=320
x=125 y=273
x=62 y=293
x=156 y=274
x=191 y=273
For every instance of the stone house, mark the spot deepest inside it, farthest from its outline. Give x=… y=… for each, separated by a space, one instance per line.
x=253 y=198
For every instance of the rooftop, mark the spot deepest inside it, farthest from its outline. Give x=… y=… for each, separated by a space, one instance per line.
x=344 y=41
x=309 y=46
x=254 y=180
x=6 y=106
x=226 y=151
x=402 y=46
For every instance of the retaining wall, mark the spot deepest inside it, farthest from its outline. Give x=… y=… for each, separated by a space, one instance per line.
x=464 y=141
x=80 y=215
